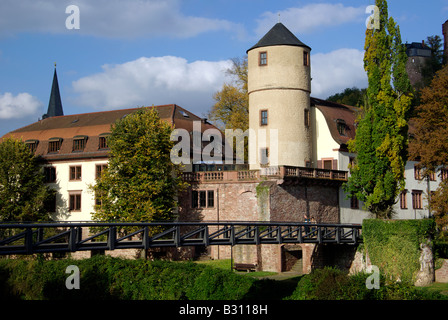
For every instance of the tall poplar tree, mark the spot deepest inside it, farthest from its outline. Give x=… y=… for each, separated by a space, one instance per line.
x=377 y=176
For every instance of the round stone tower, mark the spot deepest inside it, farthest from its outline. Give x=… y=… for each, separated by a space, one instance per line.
x=279 y=85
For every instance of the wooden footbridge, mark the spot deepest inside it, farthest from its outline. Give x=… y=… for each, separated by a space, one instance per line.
x=31 y=238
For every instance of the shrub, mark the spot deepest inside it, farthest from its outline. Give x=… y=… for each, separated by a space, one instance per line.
x=105 y=278
x=321 y=284
x=217 y=284
x=333 y=284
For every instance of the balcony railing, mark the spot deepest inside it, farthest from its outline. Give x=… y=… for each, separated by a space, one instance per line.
x=271 y=172
x=315 y=173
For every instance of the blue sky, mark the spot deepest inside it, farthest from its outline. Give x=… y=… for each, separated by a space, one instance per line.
x=143 y=52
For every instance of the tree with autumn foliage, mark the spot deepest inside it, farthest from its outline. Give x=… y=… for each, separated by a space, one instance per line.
x=377 y=176
x=140 y=182
x=429 y=143
x=231 y=109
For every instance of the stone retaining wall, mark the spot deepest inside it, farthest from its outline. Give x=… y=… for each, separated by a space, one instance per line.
x=442 y=273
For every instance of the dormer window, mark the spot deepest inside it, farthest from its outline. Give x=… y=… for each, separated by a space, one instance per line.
x=341 y=126
x=79 y=143
x=54 y=145
x=32 y=144
x=102 y=144
x=184 y=114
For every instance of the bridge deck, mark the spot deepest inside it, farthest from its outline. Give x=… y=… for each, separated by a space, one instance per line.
x=30 y=238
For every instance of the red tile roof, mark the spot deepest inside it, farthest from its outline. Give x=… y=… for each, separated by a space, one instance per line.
x=92 y=125
x=335 y=113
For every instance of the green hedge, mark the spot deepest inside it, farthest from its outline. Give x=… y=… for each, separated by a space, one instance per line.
x=332 y=284
x=394 y=245
x=106 y=278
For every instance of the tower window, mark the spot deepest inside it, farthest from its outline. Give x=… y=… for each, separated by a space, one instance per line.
x=263 y=59
x=307 y=118
x=306 y=58
x=263 y=117
x=264 y=156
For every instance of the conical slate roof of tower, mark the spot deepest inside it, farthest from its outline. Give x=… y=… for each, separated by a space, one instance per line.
x=55 y=104
x=277 y=36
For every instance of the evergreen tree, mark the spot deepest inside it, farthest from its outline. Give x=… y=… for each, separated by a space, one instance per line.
x=23 y=194
x=377 y=175
x=435 y=62
x=140 y=182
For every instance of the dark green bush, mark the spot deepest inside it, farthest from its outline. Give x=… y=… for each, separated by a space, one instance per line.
x=441 y=249
x=105 y=278
x=321 y=284
x=217 y=284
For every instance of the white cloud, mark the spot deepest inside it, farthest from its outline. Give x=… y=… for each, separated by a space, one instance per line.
x=334 y=71
x=308 y=18
x=154 y=80
x=108 y=18
x=18 y=106
x=169 y=79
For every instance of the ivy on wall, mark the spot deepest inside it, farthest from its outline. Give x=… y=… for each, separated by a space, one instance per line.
x=394 y=245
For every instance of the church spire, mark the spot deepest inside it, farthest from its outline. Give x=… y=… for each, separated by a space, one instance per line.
x=55 y=104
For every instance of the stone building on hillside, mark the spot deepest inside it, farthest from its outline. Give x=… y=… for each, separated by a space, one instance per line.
x=297 y=164
x=419 y=55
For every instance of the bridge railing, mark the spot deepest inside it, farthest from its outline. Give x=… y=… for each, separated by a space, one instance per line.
x=31 y=238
